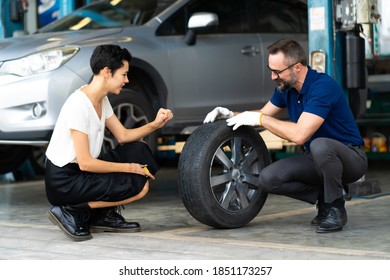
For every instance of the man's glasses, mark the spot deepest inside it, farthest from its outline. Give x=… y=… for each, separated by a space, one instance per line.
x=277 y=72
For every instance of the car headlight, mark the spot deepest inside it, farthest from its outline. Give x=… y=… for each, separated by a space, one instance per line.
x=38 y=62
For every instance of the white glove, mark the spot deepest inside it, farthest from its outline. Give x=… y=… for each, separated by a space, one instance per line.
x=218 y=113
x=245 y=118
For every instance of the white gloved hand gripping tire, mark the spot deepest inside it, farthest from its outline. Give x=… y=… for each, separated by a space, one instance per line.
x=245 y=118
x=218 y=113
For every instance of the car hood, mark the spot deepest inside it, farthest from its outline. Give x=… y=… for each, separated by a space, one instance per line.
x=16 y=47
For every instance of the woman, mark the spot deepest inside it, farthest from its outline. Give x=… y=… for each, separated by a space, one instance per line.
x=84 y=187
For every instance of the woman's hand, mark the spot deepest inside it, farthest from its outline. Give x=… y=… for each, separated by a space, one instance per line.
x=140 y=169
x=162 y=117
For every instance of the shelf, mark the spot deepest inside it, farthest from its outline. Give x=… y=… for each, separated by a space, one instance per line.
x=275 y=155
x=372 y=155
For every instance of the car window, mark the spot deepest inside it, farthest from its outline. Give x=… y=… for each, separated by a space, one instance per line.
x=108 y=14
x=233 y=17
x=282 y=16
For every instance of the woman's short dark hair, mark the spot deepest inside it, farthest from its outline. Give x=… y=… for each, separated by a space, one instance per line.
x=292 y=50
x=111 y=56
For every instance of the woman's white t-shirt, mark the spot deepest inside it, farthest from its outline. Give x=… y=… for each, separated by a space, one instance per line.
x=79 y=114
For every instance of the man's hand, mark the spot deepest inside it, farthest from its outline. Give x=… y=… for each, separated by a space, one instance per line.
x=245 y=118
x=218 y=113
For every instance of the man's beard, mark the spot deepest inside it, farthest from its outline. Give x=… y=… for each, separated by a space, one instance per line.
x=285 y=84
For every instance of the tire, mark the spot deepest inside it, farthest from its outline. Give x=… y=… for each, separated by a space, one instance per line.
x=133 y=110
x=218 y=174
x=12 y=157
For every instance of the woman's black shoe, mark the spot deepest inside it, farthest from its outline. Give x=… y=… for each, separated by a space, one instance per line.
x=110 y=220
x=72 y=221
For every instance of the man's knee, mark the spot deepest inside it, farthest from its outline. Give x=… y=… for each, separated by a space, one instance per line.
x=320 y=147
x=265 y=180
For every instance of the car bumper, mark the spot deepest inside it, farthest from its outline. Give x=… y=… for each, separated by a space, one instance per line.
x=30 y=105
x=36 y=138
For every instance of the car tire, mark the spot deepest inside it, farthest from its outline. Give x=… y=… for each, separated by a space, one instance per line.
x=133 y=110
x=218 y=174
x=12 y=157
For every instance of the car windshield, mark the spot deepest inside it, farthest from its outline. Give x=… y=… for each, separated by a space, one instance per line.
x=109 y=14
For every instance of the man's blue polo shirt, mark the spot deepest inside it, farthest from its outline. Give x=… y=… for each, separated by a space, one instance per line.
x=321 y=95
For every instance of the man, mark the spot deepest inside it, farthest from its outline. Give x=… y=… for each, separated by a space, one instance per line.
x=321 y=121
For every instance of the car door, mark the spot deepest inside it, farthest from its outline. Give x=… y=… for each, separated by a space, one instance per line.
x=275 y=20
x=221 y=68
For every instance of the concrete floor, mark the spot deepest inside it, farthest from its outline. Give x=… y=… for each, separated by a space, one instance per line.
x=281 y=231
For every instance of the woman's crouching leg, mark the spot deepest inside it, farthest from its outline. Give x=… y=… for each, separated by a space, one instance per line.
x=103 y=204
x=106 y=215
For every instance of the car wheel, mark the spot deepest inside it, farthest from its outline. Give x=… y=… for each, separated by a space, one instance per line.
x=218 y=173
x=12 y=157
x=133 y=110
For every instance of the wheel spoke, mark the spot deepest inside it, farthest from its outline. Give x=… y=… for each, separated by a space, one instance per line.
x=129 y=120
x=227 y=196
x=118 y=111
x=251 y=179
x=223 y=158
x=220 y=179
x=128 y=115
x=242 y=195
x=236 y=150
x=249 y=158
x=110 y=143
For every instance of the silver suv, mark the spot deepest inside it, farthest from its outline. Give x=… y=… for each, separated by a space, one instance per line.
x=189 y=56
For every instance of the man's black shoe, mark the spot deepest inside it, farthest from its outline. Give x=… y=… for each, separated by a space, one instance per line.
x=334 y=221
x=109 y=220
x=71 y=221
x=321 y=215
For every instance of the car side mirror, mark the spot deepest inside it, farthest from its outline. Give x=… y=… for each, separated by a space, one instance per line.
x=199 y=22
